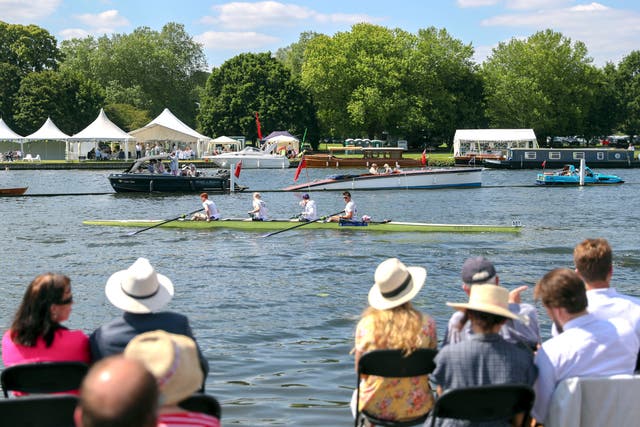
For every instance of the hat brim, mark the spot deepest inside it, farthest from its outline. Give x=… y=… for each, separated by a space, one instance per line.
x=118 y=298
x=485 y=308
x=378 y=301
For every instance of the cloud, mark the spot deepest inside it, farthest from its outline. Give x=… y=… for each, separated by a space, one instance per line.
x=27 y=11
x=73 y=33
x=513 y=4
x=108 y=20
x=582 y=23
x=272 y=14
x=216 y=40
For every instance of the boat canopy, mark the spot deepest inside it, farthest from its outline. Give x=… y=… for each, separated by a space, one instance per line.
x=492 y=140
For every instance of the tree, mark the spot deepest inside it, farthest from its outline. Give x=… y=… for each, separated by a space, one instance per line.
x=126 y=116
x=69 y=99
x=292 y=56
x=147 y=69
x=545 y=82
x=628 y=88
x=9 y=85
x=30 y=48
x=250 y=83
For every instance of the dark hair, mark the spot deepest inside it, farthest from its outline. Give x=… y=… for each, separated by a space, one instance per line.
x=593 y=259
x=562 y=288
x=346 y=193
x=33 y=318
x=484 y=321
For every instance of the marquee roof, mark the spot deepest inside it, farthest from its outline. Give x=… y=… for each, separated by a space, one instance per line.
x=6 y=133
x=102 y=129
x=167 y=127
x=48 y=131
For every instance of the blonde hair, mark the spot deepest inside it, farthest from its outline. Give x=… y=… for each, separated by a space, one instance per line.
x=396 y=328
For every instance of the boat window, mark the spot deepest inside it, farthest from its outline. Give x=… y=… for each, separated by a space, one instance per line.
x=530 y=155
x=554 y=155
x=578 y=155
x=600 y=155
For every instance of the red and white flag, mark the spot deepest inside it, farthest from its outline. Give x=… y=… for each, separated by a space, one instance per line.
x=301 y=165
x=238 y=169
x=423 y=160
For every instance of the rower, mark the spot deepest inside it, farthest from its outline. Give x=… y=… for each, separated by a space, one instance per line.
x=350 y=210
x=310 y=211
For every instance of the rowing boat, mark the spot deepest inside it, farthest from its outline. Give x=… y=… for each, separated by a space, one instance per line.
x=261 y=226
x=18 y=191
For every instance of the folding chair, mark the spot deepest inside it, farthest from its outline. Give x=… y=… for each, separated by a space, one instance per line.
x=392 y=363
x=41 y=411
x=43 y=377
x=484 y=403
x=204 y=403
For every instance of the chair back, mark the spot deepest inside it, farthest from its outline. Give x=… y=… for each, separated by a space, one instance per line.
x=484 y=403
x=43 y=377
x=204 y=403
x=40 y=411
x=394 y=364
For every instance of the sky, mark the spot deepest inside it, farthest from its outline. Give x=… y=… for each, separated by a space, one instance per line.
x=610 y=29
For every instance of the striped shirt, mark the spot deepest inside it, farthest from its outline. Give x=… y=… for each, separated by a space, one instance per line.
x=187 y=419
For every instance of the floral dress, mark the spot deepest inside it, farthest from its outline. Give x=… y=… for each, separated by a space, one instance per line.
x=395 y=398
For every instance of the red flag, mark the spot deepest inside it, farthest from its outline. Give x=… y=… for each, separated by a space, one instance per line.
x=301 y=165
x=238 y=168
x=544 y=163
x=258 y=126
x=424 y=157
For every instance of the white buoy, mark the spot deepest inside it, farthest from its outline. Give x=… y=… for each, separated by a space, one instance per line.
x=581 y=172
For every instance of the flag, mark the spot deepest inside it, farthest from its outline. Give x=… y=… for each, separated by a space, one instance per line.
x=301 y=165
x=424 y=157
x=544 y=163
x=258 y=126
x=238 y=169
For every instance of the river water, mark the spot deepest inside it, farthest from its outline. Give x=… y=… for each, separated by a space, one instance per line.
x=275 y=316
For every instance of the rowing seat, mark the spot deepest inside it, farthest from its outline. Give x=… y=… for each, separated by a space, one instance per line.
x=43 y=377
x=40 y=411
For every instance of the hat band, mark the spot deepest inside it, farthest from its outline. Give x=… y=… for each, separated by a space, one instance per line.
x=399 y=289
x=173 y=368
x=137 y=296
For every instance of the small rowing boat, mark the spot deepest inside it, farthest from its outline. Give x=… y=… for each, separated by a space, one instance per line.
x=274 y=225
x=18 y=191
x=569 y=175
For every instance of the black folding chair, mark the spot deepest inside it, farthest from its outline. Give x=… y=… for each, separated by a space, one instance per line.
x=204 y=403
x=484 y=403
x=392 y=363
x=41 y=411
x=43 y=377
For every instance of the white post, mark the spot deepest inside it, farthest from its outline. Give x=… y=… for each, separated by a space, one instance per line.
x=582 y=171
x=232 y=183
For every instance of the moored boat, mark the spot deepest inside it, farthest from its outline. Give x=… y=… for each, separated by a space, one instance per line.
x=410 y=179
x=533 y=158
x=252 y=158
x=274 y=225
x=370 y=155
x=18 y=191
x=569 y=175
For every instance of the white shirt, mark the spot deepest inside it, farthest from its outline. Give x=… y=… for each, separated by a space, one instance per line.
x=607 y=303
x=211 y=209
x=310 y=212
x=588 y=347
x=262 y=209
x=351 y=207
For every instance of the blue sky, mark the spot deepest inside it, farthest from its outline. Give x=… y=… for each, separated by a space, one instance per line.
x=610 y=29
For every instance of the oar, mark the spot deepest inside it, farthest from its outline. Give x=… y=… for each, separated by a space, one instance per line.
x=302 y=225
x=133 y=233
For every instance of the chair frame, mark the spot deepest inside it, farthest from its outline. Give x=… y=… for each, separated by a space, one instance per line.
x=484 y=403
x=394 y=364
x=204 y=403
x=43 y=377
x=39 y=411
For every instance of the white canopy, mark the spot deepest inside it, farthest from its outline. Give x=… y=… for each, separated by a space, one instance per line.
x=224 y=140
x=479 y=140
x=101 y=129
x=48 y=131
x=6 y=134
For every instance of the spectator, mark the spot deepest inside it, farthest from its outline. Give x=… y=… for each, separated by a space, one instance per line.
x=140 y=292
x=173 y=361
x=118 y=392
x=586 y=345
x=485 y=357
x=37 y=333
x=391 y=322
x=479 y=271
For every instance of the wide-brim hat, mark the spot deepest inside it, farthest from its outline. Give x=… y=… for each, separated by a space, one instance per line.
x=395 y=284
x=172 y=359
x=488 y=299
x=139 y=289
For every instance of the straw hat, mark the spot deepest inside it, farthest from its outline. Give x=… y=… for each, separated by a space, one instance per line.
x=488 y=299
x=139 y=289
x=395 y=284
x=173 y=361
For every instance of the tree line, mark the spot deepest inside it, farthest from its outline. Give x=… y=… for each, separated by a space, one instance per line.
x=369 y=82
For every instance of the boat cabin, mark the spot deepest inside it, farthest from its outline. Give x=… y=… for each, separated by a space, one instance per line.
x=522 y=158
x=471 y=146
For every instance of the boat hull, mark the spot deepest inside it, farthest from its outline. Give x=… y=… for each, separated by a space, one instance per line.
x=329 y=161
x=18 y=191
x=599 y=179
x=412 y=179
x=143 y=183
x=264 y=226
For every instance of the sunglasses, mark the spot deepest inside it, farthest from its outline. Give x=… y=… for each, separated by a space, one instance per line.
x=65 y=301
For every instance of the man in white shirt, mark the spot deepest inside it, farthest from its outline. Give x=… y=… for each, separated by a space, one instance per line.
x=309 y=212
x=211 y=212
x=350 y=209
x=586 y=345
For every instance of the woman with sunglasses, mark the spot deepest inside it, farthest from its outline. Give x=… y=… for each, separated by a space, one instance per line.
x=37 y=333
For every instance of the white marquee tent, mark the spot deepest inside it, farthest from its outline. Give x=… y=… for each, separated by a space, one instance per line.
x=48 y=142
x=101 y=129
x=482 y=140
x=8 y=138
x=168 y=128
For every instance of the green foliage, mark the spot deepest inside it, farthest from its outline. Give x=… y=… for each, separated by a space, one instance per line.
x=292 y=56
x=30 y=48
x=146 y=69
x=9 y=85
x=69 y=99
x=126 y=116
x=250 y=83
x=628 y=91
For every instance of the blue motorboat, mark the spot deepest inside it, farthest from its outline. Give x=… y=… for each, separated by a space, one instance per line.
x=569 y=175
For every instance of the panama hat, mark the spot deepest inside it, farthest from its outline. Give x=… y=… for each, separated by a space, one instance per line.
x=173 y=361
x=139 y=289
x=395 y=284
x=488 y=299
